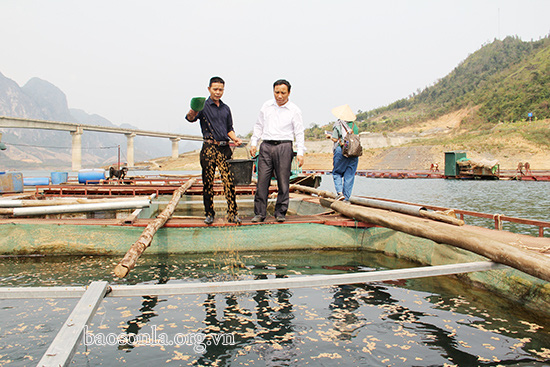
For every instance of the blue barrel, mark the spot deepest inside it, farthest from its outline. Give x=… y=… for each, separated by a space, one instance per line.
x=59 y=177
x=91 y=176
x=34 y=181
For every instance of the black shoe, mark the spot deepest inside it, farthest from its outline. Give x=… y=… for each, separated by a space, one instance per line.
x=234 y=219
x=280 y=218
x=257 y=218
x=209 y=219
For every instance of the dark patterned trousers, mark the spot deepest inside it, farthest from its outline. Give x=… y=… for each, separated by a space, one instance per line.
x=212 y=156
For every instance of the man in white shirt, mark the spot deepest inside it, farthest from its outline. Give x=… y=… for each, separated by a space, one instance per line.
x=279 y=124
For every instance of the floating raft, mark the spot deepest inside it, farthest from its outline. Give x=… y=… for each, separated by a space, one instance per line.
x=403 y=231
x=154 y=185
x=309 y=226
x=411 y=174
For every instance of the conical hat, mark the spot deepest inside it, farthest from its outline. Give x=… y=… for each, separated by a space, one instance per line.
x=344 y=113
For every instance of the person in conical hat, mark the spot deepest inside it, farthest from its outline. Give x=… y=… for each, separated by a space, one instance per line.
x=343 y=168
x=344 y=113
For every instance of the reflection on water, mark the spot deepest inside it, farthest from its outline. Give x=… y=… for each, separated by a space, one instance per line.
x=419 y=322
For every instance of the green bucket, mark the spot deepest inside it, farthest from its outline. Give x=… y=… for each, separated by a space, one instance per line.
x=197 y=103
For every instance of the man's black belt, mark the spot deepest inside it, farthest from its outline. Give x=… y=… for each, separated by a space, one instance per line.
x=215 y=142
x=277 y=142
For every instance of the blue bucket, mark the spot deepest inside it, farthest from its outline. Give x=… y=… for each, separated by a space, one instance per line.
x=59 y=177
x=91 y=176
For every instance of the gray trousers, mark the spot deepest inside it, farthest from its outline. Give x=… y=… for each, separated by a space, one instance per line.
x=273 y=159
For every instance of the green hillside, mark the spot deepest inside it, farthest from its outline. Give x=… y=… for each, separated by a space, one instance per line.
x=501 y=82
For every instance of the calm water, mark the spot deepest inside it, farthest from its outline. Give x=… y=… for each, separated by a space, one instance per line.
x=423 y=322
x=429 y=322
x=521 y=199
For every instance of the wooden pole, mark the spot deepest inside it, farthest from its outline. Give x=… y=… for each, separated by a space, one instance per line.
x=422 y=212
x=441 y=217
x=529 y=262
x=311 y=190
x=144 y=241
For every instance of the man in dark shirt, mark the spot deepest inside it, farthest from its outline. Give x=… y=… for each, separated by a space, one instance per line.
x=217 y=128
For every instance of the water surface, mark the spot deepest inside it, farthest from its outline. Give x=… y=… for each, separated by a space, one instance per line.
x=420 y=322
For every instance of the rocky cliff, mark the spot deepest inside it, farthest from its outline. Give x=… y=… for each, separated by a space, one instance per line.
x=45 y=149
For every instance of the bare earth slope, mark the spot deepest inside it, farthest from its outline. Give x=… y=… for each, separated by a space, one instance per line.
x=411 y=148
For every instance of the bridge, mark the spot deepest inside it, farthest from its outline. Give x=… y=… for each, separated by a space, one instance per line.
x=76 y=131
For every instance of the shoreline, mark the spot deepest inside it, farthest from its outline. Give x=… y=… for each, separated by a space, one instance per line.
x=413 y=158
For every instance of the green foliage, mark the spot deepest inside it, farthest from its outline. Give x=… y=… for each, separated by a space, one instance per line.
x=316 y=132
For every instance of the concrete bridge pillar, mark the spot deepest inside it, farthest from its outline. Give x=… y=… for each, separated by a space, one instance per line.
x=76 y=149
x=175 y=147
x=130 y=149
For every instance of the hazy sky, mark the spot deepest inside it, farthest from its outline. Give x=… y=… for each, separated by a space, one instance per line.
x=140 y=62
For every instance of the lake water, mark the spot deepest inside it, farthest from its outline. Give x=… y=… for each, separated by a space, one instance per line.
x=421 y=322
x=521 y=199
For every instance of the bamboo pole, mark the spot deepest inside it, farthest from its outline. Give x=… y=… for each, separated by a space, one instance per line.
x=144 y=241
x=532 y=263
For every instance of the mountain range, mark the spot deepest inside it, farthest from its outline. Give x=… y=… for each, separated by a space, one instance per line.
x=31 y=149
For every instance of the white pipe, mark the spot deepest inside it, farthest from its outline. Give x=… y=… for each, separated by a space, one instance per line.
x=7 y=203
x=11 y=203
x=80 y=208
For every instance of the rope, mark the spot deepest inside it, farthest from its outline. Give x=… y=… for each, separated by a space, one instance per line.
x=498 y=221
x=305 y=178
x=536 y=249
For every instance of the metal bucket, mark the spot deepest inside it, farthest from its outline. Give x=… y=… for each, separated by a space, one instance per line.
x=242 y=170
